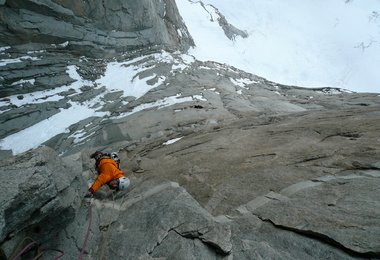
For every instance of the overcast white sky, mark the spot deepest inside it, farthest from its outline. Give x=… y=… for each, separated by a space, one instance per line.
x=310 y=43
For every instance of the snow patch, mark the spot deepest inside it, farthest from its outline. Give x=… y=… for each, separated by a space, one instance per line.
x=179 y=33
x=81 y=136
x=39 y=133
x=47 y=95
x=62 y=45
x=23 y=81
x=213 y=90
x=333 y=91
x=242 y=82
x=172 y=141
x=166 y=102
x=4 y=62
x=39 y=51
x=2 y=49
x=120 y=77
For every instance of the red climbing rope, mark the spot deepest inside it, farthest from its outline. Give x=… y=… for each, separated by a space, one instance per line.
x=58 y=256
x=25 y=249
x=29 y=246
x=87 y=234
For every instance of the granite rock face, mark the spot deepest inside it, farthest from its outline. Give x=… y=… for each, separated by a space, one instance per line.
x=223 y=164
x=160 y=220
x=343 y=209
x=40 y=194
x=238 y=167
x=230 y=30
x=94 y=28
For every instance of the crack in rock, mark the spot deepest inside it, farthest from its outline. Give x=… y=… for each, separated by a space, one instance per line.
x=321 y=237
x=221 y=245
x=164 y=237
x=350 y=244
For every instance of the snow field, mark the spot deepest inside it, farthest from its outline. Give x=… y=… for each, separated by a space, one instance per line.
x=324 y=43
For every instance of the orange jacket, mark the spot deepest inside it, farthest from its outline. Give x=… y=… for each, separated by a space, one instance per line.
x=108 y=171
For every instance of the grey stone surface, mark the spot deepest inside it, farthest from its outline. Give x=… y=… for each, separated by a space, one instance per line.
x=344 y=210
x=165 y=212
x=106 y=26
x=160 y=220
x=254 y=239
x=230 y=31
x=241 y=150
x=260 y=154
x=15 y=120
x=261 y=170
x=40 y=195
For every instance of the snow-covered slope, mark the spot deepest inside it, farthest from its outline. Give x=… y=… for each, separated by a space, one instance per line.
x=310 y=43
x=122 y=77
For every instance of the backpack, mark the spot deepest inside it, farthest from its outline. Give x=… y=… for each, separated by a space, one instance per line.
x=98 y=155
x=114 y=156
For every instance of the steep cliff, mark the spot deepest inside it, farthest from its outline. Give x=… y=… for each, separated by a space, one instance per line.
x=224 y=164
x=94 y=28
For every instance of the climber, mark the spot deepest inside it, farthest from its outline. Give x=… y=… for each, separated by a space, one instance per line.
x=108 y=173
